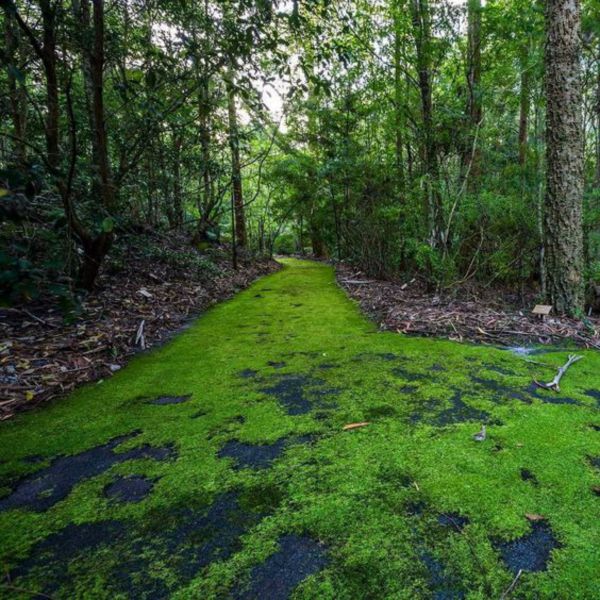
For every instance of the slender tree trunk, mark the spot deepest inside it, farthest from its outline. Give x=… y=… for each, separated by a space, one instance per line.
x=17 y=99
x=177 y=192
x=96 y=247
x=236 y=170
x=433 y=201
x=597 y=178
x=206 y=200
x=52 y=105
x=564 y=192
x=472 y=154
x=398 y=94
x=524 y=106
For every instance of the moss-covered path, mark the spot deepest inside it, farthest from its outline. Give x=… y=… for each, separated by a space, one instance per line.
x=217 y=466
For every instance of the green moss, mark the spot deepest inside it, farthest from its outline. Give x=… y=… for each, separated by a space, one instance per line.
x=357 y=490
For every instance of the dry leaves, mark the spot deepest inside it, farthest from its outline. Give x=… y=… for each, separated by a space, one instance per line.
x=42 y=357
x=486 y=316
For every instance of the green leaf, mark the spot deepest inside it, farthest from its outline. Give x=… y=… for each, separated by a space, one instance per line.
x=108 y=225
x=3 y=192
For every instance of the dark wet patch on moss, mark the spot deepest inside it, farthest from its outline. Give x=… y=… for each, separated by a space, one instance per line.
x=408 y=389
x=45 y=487
x=257 y=456
x=548 y=396
x=458 y=412
x=415 y=508
x=297 y=558
x=52 y=555
x=454 y=521
x=163 y=400
x=247 y=373
x=408 y=375
x=129 y=489
x=530 y=552
x=296 y=393
x=527 y=475
x=277 y=364
x=500 y=390
x=441 y=584
x=380 y=412
x=177 y=545
x=326 y=366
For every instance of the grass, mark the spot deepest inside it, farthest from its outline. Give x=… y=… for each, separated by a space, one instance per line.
x=370 y=498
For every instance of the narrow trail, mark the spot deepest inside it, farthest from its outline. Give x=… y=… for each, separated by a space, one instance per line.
x=218 y=467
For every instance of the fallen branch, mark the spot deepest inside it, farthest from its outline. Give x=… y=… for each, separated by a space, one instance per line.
x=554 y=384
x=139 y=336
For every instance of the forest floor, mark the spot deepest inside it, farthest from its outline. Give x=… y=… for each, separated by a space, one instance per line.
x=484 y=316
x=220 y=465
x=46 y=352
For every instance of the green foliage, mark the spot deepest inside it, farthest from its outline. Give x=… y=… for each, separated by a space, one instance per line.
x=286 y=243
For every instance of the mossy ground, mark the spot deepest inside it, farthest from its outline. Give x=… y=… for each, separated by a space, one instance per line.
x=292 y=357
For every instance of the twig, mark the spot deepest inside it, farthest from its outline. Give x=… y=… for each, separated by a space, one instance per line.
x=139 y=336
x=38 y=319
x=512 y=586
x=554 y=384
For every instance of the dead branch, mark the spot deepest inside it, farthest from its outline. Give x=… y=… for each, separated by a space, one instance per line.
x=554 y=384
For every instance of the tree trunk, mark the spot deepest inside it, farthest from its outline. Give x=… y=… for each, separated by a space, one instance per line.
x=52 y=106
x=472 y=155
x=206 y=200
x=236 y=170
x=17 y=98
x=96 y=247
x=564 y=155
x=398 y=95
x=524 y=106
x=433 y=201
x=597 y=178
x=177 y=191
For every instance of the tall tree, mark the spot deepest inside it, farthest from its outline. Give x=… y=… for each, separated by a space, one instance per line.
x=472 y=154
x=236 y=168
x=564 y=155
x=421 y=17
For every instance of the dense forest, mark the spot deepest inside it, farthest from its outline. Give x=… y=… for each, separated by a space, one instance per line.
x=455 y=141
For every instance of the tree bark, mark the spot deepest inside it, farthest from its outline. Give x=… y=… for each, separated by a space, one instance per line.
x=433 y=201
x=597 y=178
x=564 y=155
x=524 y=94
x=17 y=99
x=472 y=154
x=398 y=95
x=236 y=170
